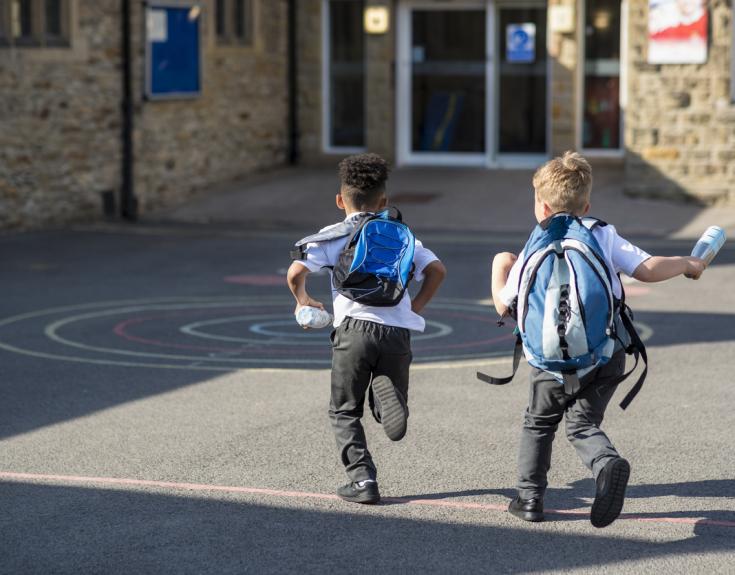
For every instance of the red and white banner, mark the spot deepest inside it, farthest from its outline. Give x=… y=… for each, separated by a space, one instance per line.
x=677 y=32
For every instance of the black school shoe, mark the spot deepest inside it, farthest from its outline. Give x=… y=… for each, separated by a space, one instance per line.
x=352 y=492
x=611 y=484
x=527 y=509
x=391 y=408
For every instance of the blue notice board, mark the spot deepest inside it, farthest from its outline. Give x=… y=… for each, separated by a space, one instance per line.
x=173 y=50
x=520 y=42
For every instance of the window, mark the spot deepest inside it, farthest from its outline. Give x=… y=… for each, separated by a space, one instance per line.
x=234 y=22
x=602 y=116
x=344 y=75
x=39 y=23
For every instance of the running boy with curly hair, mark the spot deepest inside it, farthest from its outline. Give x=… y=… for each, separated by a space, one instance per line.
x=371 y=345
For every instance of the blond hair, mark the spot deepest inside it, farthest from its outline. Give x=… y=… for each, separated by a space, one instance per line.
x=565 y=183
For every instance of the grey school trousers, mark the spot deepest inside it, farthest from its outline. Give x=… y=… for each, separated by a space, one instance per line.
x=362 y=350
x=547 y=405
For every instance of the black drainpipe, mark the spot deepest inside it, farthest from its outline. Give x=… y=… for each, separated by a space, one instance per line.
x=128 y=201
x=293 y=97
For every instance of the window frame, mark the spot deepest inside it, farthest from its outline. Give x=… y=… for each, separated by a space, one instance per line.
x=39 y=37
x=732 y=56
x=248 y=20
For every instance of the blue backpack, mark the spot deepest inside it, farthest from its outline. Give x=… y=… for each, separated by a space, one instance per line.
x=376 y=264
x=566 y=311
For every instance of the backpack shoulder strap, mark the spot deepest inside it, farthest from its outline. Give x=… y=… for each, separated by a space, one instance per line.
x=635 y=348
x=340 y=230
x=517 y=354
x=392 y=212
x=638 y=349
x=591 y=223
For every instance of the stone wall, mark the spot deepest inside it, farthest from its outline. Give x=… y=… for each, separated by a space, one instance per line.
x=563 y=50
x=60 y=118
x=309 y=41
x=380 y=81
x=238 y=125
x=680 y=122
x=60 y=122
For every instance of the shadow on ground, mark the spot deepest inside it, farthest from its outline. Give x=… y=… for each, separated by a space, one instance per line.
x=577 y=494
x=46 y=529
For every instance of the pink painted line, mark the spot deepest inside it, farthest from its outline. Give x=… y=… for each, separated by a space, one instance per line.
x=634 y=290
x=121 y=482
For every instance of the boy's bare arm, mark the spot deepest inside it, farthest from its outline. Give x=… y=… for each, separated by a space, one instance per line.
x=658 y=268
x=502 y=263
x=296 y=279
x=434 y=274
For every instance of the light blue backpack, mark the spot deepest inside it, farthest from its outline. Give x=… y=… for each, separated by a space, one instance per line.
x=566 y=310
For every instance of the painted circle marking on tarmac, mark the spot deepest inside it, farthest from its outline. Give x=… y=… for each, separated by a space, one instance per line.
x=442 y=330
x=257 y=280
x=292 y=330
x=264 y=328
x=52 y=332
x=131 y=333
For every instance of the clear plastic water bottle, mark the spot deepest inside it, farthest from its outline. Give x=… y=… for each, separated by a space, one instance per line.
x=313 y=317
x=709 y=244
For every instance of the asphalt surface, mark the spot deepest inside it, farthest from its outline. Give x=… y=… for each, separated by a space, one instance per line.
x=161 y=413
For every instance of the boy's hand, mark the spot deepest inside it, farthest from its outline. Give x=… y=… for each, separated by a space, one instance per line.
x=296 y=278
x=308 y=301
x=694 y=267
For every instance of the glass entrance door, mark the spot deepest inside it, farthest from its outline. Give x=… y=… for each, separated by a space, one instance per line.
x=444 y=60
x=448 y=81
x=472 y=82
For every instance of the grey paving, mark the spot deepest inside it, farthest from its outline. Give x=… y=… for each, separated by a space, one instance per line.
x=446 y=199
x=256 y=426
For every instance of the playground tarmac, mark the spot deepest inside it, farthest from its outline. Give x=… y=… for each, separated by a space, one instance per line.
x=162 y=413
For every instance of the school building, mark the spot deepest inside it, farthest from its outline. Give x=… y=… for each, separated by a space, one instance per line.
x=127 y=106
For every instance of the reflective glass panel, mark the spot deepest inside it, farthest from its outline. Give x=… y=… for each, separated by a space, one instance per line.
x=448 y=81
x=522 y=75
x=601 y=117
x=346 y=74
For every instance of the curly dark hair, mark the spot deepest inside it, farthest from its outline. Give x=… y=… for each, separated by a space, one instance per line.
x=363 y=178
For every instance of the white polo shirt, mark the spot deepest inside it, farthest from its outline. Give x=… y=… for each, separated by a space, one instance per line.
x=620 y=256
x=319 y=255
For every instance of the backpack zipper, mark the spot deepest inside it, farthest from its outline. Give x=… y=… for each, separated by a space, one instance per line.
x=579 y=299
x=599 y=276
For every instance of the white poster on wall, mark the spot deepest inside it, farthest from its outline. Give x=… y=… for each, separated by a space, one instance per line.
x=157 y=26
x=677 y=32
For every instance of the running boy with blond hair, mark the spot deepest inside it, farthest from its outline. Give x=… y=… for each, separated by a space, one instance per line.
x=548 y=276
